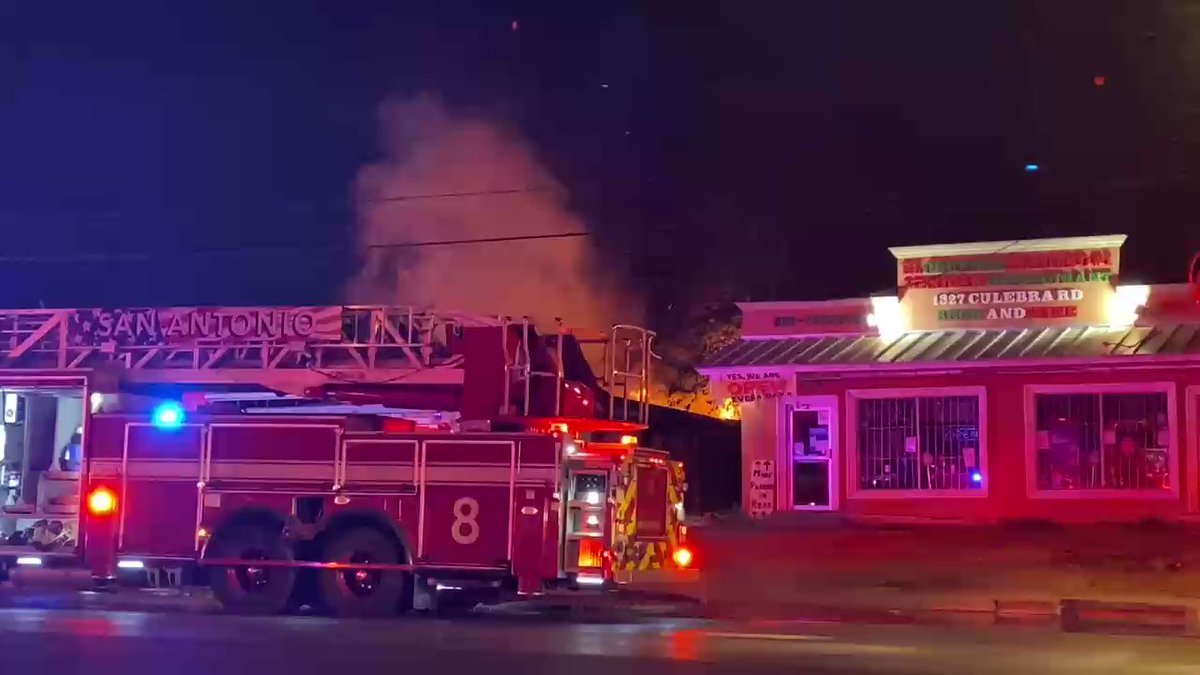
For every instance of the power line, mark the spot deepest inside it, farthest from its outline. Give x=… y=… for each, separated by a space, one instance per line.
x=136 y=256
x=139 y=256
x=477 y=193
x=110 y=215
x=484 y=240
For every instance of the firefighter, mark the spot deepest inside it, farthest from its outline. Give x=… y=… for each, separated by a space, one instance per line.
x=69 y=458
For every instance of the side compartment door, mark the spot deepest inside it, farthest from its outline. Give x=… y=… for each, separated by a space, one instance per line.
x=381 y=473
x=466 y=502
x=160 y=469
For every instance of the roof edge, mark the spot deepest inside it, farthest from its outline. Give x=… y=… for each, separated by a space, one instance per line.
x=1115 y=361
x=1010 y=246
x=802 y=304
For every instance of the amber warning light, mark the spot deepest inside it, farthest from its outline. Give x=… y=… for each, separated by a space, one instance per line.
x=683 y=557
x=101 y=502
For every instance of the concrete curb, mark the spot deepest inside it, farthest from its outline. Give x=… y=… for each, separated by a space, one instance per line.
x=1090 y=616
x=615 y=604
x=1069 y=615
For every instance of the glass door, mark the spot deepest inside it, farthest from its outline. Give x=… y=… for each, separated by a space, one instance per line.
x=812 y=437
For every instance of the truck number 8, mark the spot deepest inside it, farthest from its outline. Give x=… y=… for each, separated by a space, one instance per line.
x=465 y=529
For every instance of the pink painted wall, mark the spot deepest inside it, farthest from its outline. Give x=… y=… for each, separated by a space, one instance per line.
x=1006 y=446
x=760 y=425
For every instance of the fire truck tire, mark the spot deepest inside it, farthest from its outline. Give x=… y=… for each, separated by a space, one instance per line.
x=264 y=590
x=362 y=593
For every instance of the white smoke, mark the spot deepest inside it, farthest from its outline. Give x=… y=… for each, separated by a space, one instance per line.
x=431 y=151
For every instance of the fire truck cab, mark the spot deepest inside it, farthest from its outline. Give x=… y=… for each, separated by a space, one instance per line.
x=360 y=460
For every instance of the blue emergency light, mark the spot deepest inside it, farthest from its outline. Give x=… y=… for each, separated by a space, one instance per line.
x=169 y=415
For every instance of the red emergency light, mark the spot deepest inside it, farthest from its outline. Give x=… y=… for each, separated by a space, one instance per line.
x=102 y=502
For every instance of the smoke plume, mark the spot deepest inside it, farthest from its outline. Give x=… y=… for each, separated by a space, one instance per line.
x=426 y=189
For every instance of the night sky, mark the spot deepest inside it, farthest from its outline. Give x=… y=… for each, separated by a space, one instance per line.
x=205 y=152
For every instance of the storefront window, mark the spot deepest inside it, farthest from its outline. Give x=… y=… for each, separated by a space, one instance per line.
x=920 y=443
x=1103 y=441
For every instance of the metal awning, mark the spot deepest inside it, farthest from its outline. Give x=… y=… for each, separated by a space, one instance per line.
x=962 y=346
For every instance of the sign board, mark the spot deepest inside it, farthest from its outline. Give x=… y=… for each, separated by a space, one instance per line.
x=750 y=387
x=1065 y=305
x=834 y=317
x=762 y=488
x=1009 y=290
x=12 y=408
x=1035 y=268
x=193 y=325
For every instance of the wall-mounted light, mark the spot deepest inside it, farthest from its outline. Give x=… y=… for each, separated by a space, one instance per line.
x=1124 y=303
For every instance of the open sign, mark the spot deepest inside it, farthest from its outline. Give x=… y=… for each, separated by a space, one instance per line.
x=749 y=387
x=752 y=391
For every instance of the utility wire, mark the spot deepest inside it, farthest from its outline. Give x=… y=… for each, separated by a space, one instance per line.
x=252 y=249
x=255 y=249
x=481 y=240
x=477 y=193
x=287 y=206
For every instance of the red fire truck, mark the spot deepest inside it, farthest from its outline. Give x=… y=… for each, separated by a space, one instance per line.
x=362 y=460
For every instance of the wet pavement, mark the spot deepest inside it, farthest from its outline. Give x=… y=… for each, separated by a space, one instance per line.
x=94 y=642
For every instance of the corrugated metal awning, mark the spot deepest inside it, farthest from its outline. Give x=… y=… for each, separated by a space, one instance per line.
x=959 y=346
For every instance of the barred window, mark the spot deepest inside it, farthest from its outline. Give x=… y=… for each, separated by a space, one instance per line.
x=919 y=443
x=1103 y=441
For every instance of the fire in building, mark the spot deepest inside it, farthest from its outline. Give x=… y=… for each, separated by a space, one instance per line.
x=1003 y=380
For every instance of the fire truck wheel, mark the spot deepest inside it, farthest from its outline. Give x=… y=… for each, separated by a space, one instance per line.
x=252 y=590
x=362 y=593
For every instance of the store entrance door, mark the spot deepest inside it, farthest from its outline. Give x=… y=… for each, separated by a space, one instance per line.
x=812 y=439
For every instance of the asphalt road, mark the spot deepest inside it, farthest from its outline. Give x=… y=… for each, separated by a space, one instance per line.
x=130 y=643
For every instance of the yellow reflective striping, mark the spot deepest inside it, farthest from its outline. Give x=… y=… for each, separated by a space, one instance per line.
x=623 y=525
x=674 y=497
x=646 y=558
x=627 y=508
x=626 y=499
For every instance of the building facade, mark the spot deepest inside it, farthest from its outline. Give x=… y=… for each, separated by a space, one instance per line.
x=1004 y=381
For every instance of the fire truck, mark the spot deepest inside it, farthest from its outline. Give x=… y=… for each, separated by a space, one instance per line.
x=360 y=460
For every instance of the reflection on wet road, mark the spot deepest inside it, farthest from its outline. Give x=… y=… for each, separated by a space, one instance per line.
x=54 y=642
